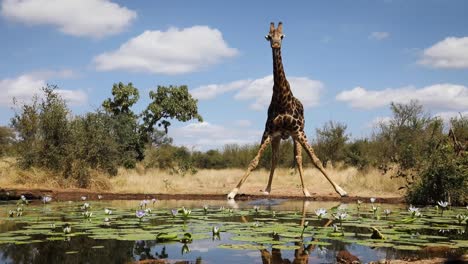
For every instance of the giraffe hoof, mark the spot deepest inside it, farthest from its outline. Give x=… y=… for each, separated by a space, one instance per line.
x=232 y=194
x=265 y=192
x=307 y=194
x=341 y=192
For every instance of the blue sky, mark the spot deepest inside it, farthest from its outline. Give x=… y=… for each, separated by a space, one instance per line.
x=345 y=60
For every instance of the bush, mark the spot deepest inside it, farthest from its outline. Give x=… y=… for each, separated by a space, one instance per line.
x=6 y=140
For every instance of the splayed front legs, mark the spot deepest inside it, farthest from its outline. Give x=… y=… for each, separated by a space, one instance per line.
x=301 y=138
x=253 y=164
x=298 y=154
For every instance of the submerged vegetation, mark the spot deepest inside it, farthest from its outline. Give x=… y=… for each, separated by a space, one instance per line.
x=423 y=151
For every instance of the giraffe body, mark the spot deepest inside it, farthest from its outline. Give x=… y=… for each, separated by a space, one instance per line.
x=285 y=119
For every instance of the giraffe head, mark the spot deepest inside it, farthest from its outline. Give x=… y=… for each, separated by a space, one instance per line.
x=275 y=36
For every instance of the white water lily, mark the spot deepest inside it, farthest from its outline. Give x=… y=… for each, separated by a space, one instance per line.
x=144 y=203
x=99 y=197
x=215 y=230
x=414 y=211
x=321 y=212
x=374 y=208
x=67 y=229
x=108 y=211
x=85 y=206
x=83 y=198
x=87 y=214
x=372 y=199
x=341 y=215
x=387 y=211
x=256 y=208
x=186 y=212
x=46 y=199
x=461 y=218
x=148 y=211
x=359 y=202
x=442 y=204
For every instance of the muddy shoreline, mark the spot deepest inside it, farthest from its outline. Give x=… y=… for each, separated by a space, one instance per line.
x=76 y=194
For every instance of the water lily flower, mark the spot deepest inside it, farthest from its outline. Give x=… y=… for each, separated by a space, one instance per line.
x=461 y=218
x=321 y=212
x=374 y=208
x=442 y=204
x=306 y=223
x=186 y=212
x=185 y=249
x=335 y=228
x=11 y=213
x=106 y=221
x=359 y=202
x=387 y=212
x=99 y=197
x=108 y=211
x=22 y=200
x=205 y=208
x=143 y=203
x=87 y=214
x=174 y=212
x=67 y=229
x=85 y=206
x=46 y=199
x=148 y=211
x=256 y=224
x=221 y=208
x=52 y=226
x=256 y=208
x=372 y=199
x=341 y=215
x=83 y=198
x=414 y=211
x=19 y=211
x=215 y=230
x=153 y=201
x=140 y=213
x=322 y=251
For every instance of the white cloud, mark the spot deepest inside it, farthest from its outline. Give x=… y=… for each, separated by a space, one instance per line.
x=260 y=90
x=451 y=52
x=243 y=123
x=174 y=51
x=379 y=35
x=204 y=135
x=446 y=116
x=82 y=18
x=379 y=120
x=25 y=86
x=446 y=96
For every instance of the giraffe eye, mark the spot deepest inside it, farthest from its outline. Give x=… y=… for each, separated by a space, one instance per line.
x=267 y=37
x=282 y=36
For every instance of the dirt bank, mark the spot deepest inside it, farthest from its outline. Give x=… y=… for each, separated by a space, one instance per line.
x=76 y=194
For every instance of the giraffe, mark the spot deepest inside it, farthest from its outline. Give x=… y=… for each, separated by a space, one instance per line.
x=285 y=119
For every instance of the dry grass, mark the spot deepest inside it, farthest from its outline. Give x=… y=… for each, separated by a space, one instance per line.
x=371 y=183
x=140 y=180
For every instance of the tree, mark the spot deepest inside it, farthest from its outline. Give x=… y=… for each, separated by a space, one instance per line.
x=125 y=96
x=173 y=102
x=126 y=127
x=6 y=140
x=331 y=142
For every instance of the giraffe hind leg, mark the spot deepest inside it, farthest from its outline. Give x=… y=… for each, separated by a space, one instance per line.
x=253 y=164
x=301 y=137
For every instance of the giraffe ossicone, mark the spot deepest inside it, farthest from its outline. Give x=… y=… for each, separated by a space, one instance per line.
x=285 y=119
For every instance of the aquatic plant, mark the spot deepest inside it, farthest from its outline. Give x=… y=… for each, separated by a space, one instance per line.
x=99 y=197
x=11 y=213
x=174 y=212
x=153 y=201
x=83 y=198
x=205 y=208
x=461 y=217
x=443 y=206
x=22 y=200
x=372 y=200
x=67 y=228
x=85 y=207
x=144 y=203
x=19 y=211
x=186 y=212
x=87 y=214
x=148 y=211
x=340 y=216
x=387 y=212
x=414 y=211
x=46 y=199
x=321 y=212
x=107 y=211
x=256 y=209
x=139 y=214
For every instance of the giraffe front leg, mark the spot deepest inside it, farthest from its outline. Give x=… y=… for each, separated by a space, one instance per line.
x=298 y=155
x=275 y=143
x=253 y=164
x=301 y=137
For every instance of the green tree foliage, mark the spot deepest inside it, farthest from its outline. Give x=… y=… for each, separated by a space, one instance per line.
x=173 y=102
x=6 y=140
x=331 y=142
x=128 y=134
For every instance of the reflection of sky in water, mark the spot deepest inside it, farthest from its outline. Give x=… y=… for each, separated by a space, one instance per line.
x=206 y=249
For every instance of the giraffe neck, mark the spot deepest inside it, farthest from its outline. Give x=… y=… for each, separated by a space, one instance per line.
x=281 y=88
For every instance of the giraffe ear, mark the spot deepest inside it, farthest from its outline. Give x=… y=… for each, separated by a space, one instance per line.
x=272 y=27
x=280 y=27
